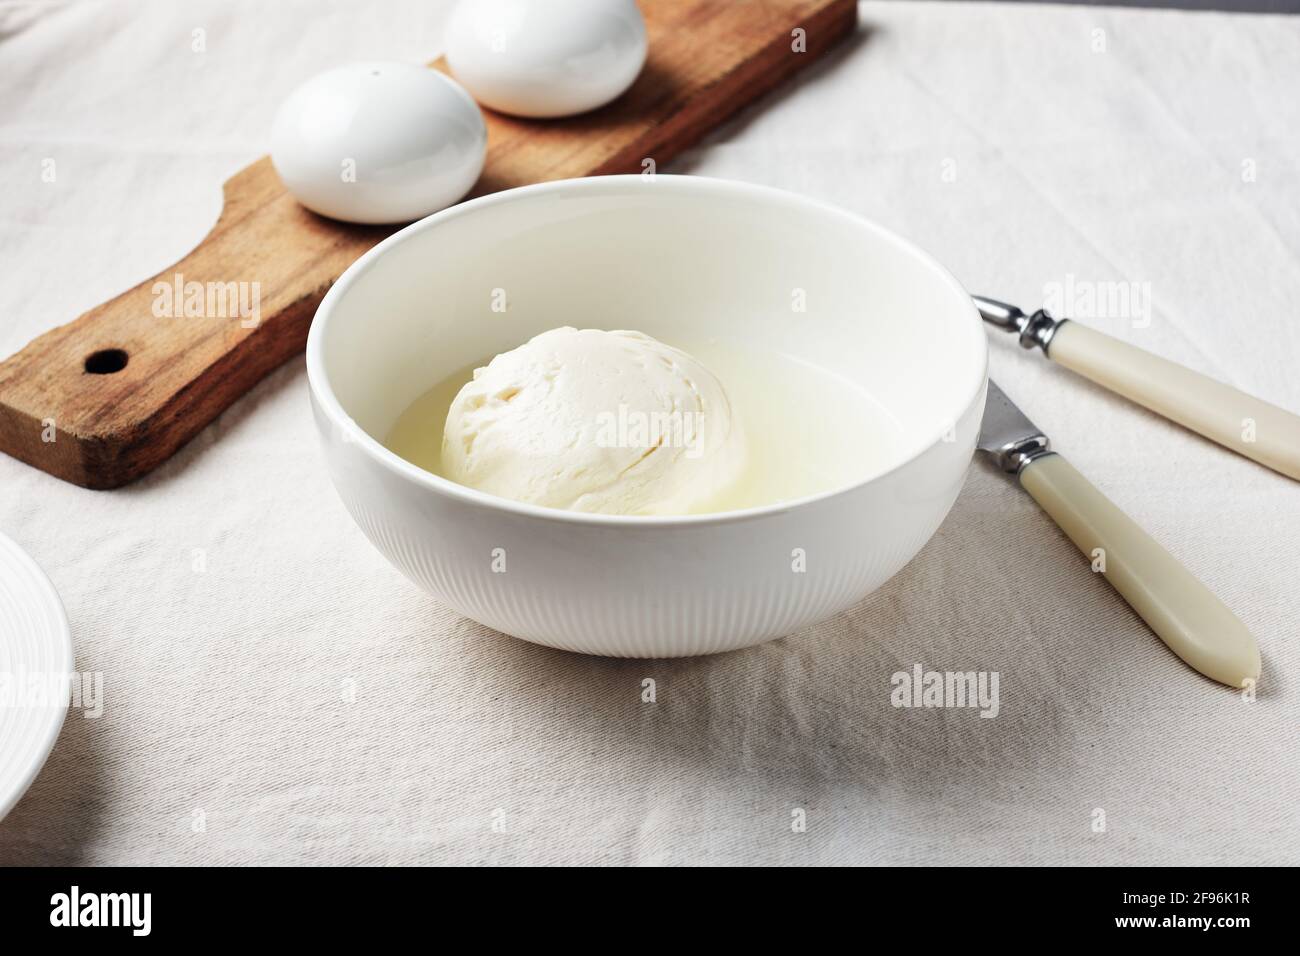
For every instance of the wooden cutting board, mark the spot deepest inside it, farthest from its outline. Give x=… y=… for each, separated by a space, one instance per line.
x=113 y=394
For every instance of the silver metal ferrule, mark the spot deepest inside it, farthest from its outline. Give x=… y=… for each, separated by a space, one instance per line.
x=1007 y=435
x=1035 y=331
x=1014 y=456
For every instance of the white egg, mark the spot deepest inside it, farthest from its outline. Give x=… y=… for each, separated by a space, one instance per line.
x=378 y=142
x=546 y=58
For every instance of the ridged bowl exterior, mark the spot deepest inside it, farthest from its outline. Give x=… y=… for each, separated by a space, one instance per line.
x=650 y=590
x=36 y=665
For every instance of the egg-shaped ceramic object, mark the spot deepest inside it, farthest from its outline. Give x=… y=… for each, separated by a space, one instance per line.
x=546 y=58
x=378 y=142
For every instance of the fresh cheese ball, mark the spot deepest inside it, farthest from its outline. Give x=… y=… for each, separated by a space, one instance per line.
x=588 y=420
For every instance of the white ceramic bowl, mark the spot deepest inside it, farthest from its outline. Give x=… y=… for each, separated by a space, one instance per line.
x=675 y=257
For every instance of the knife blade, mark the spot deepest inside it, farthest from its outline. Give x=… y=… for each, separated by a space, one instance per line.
x=1182 y=611
x=1007 y=435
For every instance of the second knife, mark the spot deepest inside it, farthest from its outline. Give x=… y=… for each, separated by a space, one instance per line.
x=1183 y=612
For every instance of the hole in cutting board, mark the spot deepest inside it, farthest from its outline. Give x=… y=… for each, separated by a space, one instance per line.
x=106 y=361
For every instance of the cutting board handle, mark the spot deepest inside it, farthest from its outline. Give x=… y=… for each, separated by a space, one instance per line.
x=111 y=395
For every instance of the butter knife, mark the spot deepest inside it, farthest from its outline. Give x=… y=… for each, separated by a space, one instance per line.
x=1196 y=625
x=1243 y=423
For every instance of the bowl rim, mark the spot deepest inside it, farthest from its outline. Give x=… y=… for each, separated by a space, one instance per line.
x=323 y=393
x=61 y=661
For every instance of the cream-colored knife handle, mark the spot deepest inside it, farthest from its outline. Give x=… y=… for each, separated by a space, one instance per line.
x=1196 y=625
x=1250 y=427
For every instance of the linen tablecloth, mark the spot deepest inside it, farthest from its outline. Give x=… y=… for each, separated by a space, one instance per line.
x=275 y=692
